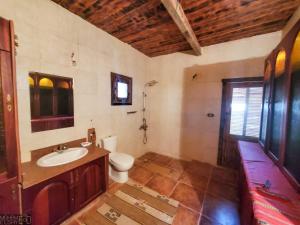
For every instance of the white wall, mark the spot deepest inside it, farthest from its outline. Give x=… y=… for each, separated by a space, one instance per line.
x=48 y=34
x=177 y=107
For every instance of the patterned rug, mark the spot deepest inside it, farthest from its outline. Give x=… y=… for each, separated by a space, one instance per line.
x=134 y=204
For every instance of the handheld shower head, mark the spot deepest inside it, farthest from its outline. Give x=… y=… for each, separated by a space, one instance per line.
x=151 y=83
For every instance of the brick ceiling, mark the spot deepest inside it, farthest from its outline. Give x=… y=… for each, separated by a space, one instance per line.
x=147 y=26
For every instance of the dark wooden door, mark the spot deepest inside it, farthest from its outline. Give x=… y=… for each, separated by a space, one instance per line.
x=9 y=153
x=240 y=117
x=90 y=182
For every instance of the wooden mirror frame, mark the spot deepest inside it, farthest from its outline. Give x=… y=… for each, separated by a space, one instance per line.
x=287 y=44
x=55 y=120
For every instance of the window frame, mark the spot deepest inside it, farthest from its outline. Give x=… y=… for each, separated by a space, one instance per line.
x=115 y=79
x=244 y=136
x=245 y=83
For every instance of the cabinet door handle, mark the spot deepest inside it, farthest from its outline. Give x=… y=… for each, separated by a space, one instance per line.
x=9 y=102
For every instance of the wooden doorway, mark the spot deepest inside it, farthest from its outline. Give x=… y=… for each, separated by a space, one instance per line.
x=240 y=117
x=9 y=142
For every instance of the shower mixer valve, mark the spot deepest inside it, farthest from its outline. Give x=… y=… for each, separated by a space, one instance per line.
x=144 y=126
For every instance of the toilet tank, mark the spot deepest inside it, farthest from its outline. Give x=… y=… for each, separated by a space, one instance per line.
x=109 y=143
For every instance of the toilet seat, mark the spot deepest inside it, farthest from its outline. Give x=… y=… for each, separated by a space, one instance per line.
x=121 y=161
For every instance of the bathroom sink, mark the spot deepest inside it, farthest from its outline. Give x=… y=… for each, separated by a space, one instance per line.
x=60 y=158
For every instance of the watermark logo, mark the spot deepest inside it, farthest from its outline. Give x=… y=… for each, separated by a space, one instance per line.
x=15 y=219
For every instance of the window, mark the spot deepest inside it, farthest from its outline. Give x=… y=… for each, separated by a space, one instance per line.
x=121 y=89
x=246 y=111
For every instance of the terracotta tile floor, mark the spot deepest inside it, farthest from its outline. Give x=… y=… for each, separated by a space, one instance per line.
x=208 y=195
x=161 y=184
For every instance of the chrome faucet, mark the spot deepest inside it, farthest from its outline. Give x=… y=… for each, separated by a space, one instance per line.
x=60 y=148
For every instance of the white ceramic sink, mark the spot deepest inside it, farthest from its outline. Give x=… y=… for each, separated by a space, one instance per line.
x=66 y=156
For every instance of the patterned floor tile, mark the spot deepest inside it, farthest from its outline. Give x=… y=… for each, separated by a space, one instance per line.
x=149 y=156
x=226 y=176
x=188 y=196
x=114 y=187
x=186 y=182
x=199 y=168
x=177 y=164
x=221 y=210
x=140 y=174
x=207 y=221
x=185 y=216
x=162 y=160
x=226 y=191
x=161 y=184
x=194 y=180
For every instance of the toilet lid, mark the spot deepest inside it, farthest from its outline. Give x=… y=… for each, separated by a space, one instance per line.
x=121 y=158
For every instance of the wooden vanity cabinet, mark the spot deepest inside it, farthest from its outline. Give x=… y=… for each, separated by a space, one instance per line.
x=90 y=182
x=54 y=200
x=49 y=202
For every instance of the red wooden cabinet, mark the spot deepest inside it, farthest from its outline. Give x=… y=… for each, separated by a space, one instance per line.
x=54 y=200
x=9 y=142
x=9 y=196
x=49 y=202
x=246 y=207
x=90 y=182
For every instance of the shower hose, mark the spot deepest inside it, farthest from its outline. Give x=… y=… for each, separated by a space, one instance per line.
x=145 y=139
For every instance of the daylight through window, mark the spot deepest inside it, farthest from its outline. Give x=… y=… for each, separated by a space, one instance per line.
x=246 y=111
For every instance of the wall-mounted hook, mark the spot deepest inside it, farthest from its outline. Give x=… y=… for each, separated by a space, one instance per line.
x=74 y=62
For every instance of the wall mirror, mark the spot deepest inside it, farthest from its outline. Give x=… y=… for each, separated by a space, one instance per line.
x=277 y=104
x=266 y=102
x=51 y=101
x=292 y=154
x=121 y=89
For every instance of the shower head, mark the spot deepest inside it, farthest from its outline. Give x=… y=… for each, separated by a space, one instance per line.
x=151 y=83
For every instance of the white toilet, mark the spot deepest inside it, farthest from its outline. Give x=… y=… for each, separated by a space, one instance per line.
x=120 y=163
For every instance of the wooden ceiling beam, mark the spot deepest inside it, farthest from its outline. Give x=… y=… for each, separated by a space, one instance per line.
x=147 y=25
x=176 y=12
